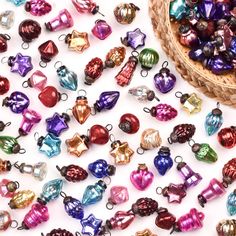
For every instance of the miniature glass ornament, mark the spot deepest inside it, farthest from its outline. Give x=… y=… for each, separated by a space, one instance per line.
x=21 y=199
x=99 y=134
x=231 y=203
x=188 y=36
x=7 y=19
x=50 y=145
x=4 y=85
x=229 y=172
x=38 y=7
x=134 y=39
x=165 y=220
x=61 y=232
x=17 y=2
x=190 y=102
x=8 y=188
x=115 y=57
x=214 y=121
x=37 y=215
x=4 y=125
x=129 y=123
x=6 y=221
x=162 y=112
x=86 y=6
x=227 y=137
x=207 y=9
x=37 y=80
x=91 y=225
x=143 y=93
x=163 y=161
x=178 y=9
x=141 y=178
x=57 y=123
x=77 y=145
x=226 y=227
x=125 y=13
x=62 y=21
x=148 y=58
x=10 y=145
x=73 y=173
x=101 y=30
x=145 y=232
x=94 y=193
x=164 y=81
x=51 y=191
x=28 y=31
x=5 y=166
x=3 y=42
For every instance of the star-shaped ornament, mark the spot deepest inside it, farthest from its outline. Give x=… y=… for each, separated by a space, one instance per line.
x=50 y=145
x=91 y=225
x=77 y=145
x=145 y=232
x=57 y=124
x=20 y=64
x=174 y=192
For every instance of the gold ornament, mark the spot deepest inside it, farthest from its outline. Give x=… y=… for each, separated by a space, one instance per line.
x=146 y=232
x=226 y=228
x=115 y=57
x=22 y=199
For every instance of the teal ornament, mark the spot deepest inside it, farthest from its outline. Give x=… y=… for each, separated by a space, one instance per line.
x=51 y=191
x=178 y=9
x=17 y=2
x=214 y=121
x=68 y=79
x=94 y=193
x=231 y=203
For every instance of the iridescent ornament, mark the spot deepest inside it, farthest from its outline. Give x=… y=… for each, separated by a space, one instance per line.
x=7 y=19
x=21 y=199
x=37 y=80
x=101 y=30
x=10 y=145
x=91 y=225
x=8 y=188
x=38 y=7
x=6 y=221
x=231 y=203
x=4 y=85
x=227 y=137
x=226 y=228
x=115 y=57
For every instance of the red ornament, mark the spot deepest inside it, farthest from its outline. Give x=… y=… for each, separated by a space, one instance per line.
x=129 y=123
x=4 y=85
x=99 y=134
x=229 y=172
x=227 y=137
x=145 y=207
x=3 y=42
x=49 y=96
x=165 y=219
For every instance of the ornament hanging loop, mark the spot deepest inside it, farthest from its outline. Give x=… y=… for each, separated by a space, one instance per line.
x=78 y=234
x=109 y=127
x=178 y=94
x=135 y=53
x=191 y=142
x=7 y=36
x=82 y=93
x=57 y=65
x=36 y=136
x=62 y=37
x=43 y=64
x=159 y=190
x=107 y=180
x=25 y=84
x=178 y=159
x=109 y=206
x=144 y=73
x=165 y=64
x=4 y=60
x=140 y=151
x=146 y=109
x=25 y=45
x=112 y=138
x=64 y=97
x=22 y=151
x=63 y=194
x=14 y=224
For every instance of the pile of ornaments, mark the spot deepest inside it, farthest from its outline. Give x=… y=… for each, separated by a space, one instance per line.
x=141 y=178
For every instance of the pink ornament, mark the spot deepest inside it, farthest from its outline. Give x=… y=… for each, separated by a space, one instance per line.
x=37 y=215
x=30 y=119
x=38 y=7
x=85 y=6
x=141 y=178
x=118 y=195
x=37 y=80
x=64 y=20
x=8 y=188
x=101 y=29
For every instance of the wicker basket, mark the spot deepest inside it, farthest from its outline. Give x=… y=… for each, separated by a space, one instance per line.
x=222 y=88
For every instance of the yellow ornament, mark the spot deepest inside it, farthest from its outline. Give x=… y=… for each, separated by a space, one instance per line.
x=145 y=232
x=22 y=199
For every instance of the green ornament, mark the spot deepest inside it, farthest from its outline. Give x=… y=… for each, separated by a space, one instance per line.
x=203 y=152
x=10 y=145
x=178 y=9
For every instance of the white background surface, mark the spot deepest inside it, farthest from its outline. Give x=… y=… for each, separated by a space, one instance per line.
x=214 y=211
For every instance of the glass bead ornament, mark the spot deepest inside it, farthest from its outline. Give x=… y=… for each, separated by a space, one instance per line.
x=10 y=145
x=231 y=203
x=7 y=19
x=17 y=2
x=115 y=57
x=101 y=30
x=38 y=7
x=226 y=227
x=6 y=221
x=227 y=137
x=129 y=123
x=37 y=80
x=86 y=6
x=214 y=121
x=4 y=85
x=8 y=188
x=3 y=42
x=22 y=199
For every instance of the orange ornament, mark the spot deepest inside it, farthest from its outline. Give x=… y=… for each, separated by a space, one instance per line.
x=115 y=57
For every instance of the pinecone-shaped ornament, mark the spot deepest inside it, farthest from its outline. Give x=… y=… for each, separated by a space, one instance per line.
x=145 y=207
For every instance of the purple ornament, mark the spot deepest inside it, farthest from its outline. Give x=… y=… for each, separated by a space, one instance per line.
x=207 y=9
x=101 y=29
x=91 y=225
x=164 y=80
x=106 y=101
x=222 y=10
x=197 y=54
x=17 y=102
x=232 y=47
x=20 y=64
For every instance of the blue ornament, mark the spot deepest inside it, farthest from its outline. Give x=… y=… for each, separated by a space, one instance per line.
x=68 y=79
x=94 y=193
x=73 y=207
x=51 y=191
x=50 y=145
x=163 y=161
x=17 y=2
x=232 y=46
x=214 y=121
x=91 y=225
x=101 y=169
x=231 y=203
x=178 y=9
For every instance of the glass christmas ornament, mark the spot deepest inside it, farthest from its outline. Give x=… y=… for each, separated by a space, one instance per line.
x=148 y=58
x=5 y=166
x=30 y=119
x=214 y=121
x=48 y=51
x=106 y=101
x=61 y=232
x=38 y=7
x=162 y=112
x=6 y=221
x=101 y=30
x=163 y=161
x=4 y=85
x=101 y=169
x=144 y=207
x=164 y=81
x=73 y=173
x=94 y=193
x=37 y=215
x=227 y=137
x=178 y=9
x=207 y=9
x=51 y=191
x=7 y=19
x=3 y=42
x=190 y=222
x=91 y=225
x=37 y=80
x=4 y=125
x=150 y=139
x=165 y=220
x=125 y=13
x=8 y=188
x=28 y=31
x=134 y=39
x=141 y=178
x=21 y=199
x=99 y=134
x=188 y=36
x=182 y=133
x=115 y=57
x=86 y=6
x=226 y=227
x=190 y=102
x=50 y=145
x=231 y=203
x=38 y=171
x=143 y=93
x=10 y=145
x=93 y=70
x=229 y=172
x=145 y=232
x=129 y=123
x=77 y=145
x=62 y=21
x=17 y=2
